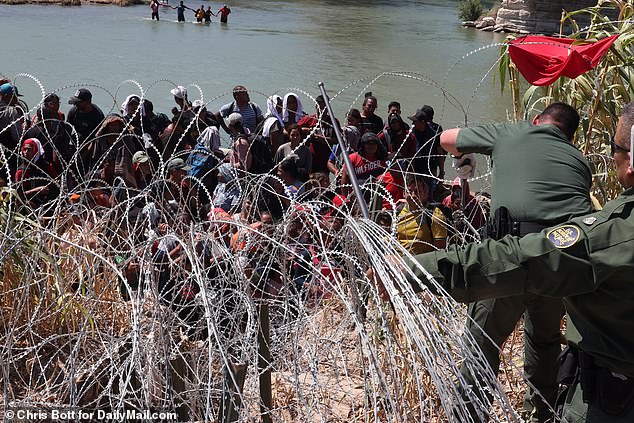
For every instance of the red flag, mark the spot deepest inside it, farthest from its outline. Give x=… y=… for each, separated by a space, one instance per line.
x=541 y=60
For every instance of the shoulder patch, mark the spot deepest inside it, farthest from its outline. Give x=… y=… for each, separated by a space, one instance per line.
x=563 y=236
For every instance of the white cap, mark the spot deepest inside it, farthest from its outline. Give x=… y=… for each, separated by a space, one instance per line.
x=198 y=103
x=179 y=92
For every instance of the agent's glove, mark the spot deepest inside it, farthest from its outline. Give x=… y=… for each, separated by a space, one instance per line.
x=465 y=165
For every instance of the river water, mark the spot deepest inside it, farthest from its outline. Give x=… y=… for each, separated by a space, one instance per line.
x=415 y=48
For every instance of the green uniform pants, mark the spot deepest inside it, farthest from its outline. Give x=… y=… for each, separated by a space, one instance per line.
x=542 y=337
x=576 y=411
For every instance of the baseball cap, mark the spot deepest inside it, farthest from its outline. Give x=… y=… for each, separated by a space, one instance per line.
x=419 y=116
x=196 y=104
x=9 y=89
x=177 y=163
x=179 y=92
x=140 y=157
x=428 y=110
x=369 y=137
x=81 y=94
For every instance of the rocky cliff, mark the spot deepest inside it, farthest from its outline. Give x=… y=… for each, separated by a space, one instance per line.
x=536 y=16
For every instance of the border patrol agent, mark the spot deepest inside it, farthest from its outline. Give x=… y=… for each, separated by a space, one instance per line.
x=589 y=262
x=539 y=179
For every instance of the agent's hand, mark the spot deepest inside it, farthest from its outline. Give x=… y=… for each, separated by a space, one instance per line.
x=465 y=165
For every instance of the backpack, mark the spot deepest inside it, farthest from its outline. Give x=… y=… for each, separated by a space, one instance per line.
x=260 y=148
x=203 y=164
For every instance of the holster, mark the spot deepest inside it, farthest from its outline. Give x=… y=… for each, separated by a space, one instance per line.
x=568 y=366
x=503 y=224
x=613 y=392
x=500 y=225
x=567 y=376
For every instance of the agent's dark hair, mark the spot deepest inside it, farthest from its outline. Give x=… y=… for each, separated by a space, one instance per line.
x=564 y=116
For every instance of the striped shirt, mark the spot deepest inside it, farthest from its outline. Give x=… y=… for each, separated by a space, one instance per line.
x=250 y=113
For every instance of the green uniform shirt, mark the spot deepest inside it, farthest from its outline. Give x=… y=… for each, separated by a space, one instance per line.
x=537 y=174
x=589 y=261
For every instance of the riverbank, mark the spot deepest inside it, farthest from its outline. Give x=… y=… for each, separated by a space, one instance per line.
x=75 y=2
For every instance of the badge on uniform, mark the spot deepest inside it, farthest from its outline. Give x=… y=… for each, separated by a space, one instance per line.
x=564 y=236
x=589 y=220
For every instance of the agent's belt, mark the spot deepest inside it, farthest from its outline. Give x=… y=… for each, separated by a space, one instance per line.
x=524 y=228
x=503 y=224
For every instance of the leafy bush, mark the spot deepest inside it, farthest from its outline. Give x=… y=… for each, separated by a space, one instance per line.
x=598 y=95
x=470 y=10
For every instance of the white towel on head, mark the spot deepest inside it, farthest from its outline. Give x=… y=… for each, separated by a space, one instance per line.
x=40 y=150
x=124 y=105
x=298 y=113
x=271 y=116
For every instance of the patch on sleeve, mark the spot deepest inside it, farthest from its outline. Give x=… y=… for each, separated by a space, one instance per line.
x=564 y=236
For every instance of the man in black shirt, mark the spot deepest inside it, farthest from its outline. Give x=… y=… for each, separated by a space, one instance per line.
x=84 y=115
x=430 y=157
x=369 y=121
x=86 y=118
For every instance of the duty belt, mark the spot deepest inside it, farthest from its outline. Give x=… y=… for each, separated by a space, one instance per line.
x=525 y=228
x=503 y=224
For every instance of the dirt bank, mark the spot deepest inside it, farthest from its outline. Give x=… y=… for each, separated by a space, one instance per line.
x=75 y=2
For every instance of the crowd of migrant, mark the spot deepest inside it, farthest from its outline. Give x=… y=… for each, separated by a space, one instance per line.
x=169 y=172
x=171 y=199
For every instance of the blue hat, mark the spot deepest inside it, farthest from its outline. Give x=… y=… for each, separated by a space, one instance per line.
x=9 y=89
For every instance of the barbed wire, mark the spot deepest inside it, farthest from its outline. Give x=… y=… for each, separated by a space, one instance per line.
x=263 y=311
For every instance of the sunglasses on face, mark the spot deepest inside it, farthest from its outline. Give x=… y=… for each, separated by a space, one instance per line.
x=614 y=147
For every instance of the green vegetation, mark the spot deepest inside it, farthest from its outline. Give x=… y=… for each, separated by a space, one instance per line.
x=599 y=95
x=470 y=10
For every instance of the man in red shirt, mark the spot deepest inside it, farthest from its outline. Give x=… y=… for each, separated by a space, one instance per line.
x=224 y=13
